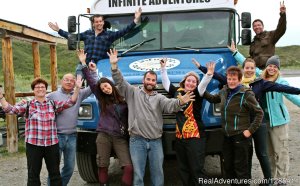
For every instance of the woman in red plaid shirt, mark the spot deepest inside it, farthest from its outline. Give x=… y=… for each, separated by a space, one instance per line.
x=40 y=130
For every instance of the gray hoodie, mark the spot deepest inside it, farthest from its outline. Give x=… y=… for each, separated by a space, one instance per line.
x=144 y=110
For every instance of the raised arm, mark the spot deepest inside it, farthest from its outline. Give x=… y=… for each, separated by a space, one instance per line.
x=19 y=108
x=124 y=87
x=281 y=26
x=236 y=54
x=137 y=15
x=164 y=75
x=206 y=78
x=221 y=78
x=240 y=58
x=55 y=27
x=77 y=88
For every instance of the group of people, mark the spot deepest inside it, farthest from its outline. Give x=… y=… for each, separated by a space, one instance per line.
x=131 y=117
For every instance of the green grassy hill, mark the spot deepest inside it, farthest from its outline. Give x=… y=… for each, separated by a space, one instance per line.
x=289 y=55
x=23 y=62
x=67 y=61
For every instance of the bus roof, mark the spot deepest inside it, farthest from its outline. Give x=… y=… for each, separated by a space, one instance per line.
x=114 y=7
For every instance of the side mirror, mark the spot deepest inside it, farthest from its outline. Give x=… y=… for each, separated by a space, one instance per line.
x=72 y=42
x=246 y=20
x=246 y=37
x=71 y=24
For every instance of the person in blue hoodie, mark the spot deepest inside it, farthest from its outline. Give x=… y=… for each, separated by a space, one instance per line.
x=277 y=119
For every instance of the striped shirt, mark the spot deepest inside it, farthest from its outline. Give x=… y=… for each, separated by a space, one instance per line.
x=40 y=127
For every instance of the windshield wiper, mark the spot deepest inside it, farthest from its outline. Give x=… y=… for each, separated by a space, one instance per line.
x=187 y=48
x=137 y=46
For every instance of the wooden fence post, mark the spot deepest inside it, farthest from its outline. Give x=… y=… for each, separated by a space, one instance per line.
x=53 y=67
x=36 y=59
x=9 y=87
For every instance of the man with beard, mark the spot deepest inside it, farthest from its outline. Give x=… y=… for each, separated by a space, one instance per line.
x=145 y=109
x=263 y=44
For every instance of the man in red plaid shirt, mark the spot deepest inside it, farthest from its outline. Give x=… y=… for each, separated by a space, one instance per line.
x=40 y=130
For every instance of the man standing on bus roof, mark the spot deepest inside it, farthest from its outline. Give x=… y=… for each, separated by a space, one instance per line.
x=263 y=44
x=145 y=109
x=98 y=40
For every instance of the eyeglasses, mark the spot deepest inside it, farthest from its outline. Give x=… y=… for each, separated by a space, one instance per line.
x=37 y=87
x=69 y=80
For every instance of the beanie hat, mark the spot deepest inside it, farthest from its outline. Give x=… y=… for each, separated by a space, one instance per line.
x=274 y=60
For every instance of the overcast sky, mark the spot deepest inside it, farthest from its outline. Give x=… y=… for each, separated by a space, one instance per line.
x=37 y=13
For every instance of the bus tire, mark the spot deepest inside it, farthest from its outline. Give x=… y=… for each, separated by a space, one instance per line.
x=87 y=167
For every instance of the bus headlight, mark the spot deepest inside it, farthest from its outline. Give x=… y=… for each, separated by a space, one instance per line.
x=217 y=109
x=85 y=111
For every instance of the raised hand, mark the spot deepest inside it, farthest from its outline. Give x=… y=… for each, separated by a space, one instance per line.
x=54 y=26
x=210 y=68
x=196 y=63
x=113 y=58
x=92 y=66
x=189 y=96
x=81 y=56
x=232 y=47
x=79 y=81
x=137 y=15
x=282 y=7
x=163 y=62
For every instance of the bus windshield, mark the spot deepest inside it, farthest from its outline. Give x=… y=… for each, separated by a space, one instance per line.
x=170 y=30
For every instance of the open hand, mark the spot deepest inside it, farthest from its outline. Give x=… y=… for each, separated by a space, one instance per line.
x=53 y=26
x=232 y=47
x=81 y=56
x=137 y=15
x=189 y=96
x=210 y=67
x=196 y=63
x=79 y=81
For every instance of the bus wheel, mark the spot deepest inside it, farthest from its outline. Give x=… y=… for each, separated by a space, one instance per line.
x=87 y=167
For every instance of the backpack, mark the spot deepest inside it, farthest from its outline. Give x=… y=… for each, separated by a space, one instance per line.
x=28 y=104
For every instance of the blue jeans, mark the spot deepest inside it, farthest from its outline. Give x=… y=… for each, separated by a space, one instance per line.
x=141 y=149
x=78 y=70
x=67 y=147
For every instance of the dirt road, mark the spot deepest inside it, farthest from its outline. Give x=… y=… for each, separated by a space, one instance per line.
x=13 y=169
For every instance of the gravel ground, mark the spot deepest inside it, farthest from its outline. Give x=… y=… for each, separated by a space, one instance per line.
x=13 y=169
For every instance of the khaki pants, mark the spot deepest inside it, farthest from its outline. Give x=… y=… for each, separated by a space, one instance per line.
x=279 y=150
x=106 y=143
